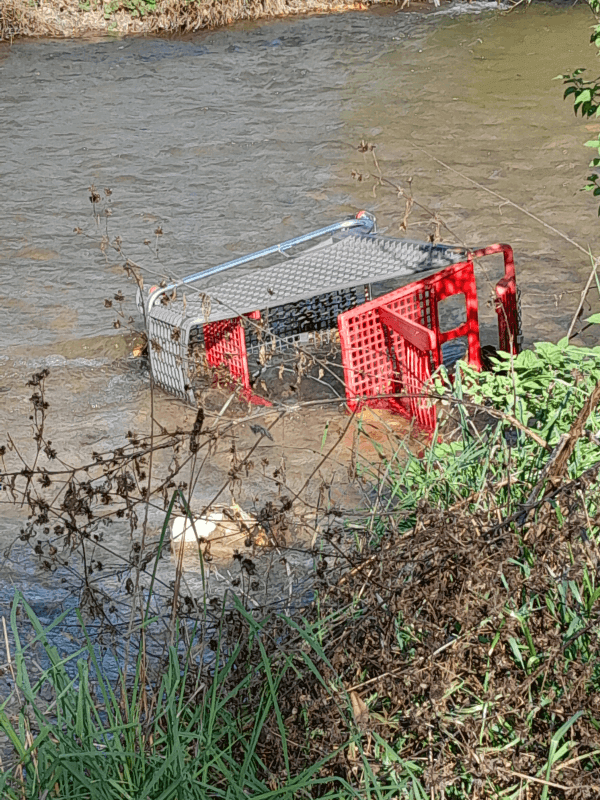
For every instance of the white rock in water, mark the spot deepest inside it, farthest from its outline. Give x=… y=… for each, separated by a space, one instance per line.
x=184 y=530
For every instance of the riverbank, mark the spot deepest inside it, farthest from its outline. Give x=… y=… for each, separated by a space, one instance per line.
x=451 y=650
x=74 y=18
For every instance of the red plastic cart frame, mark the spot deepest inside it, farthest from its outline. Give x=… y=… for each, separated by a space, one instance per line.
x=225 y=344
x=391 y=346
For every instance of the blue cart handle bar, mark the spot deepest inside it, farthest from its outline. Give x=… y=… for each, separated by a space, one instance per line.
x=362 y=220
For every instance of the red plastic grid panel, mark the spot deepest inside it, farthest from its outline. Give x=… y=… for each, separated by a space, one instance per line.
x=416 y=375
x=412 y=353
x=382 y=359
x=368 y=370
x=371 y=352
x=225 y=346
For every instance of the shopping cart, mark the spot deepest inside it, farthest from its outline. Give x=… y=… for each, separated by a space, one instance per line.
x=296 y=302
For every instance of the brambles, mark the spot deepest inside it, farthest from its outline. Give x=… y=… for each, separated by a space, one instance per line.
x=472 y=645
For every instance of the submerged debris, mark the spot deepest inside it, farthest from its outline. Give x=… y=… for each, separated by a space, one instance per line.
x=228 y=529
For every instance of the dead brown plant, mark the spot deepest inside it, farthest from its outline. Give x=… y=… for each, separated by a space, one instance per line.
x=67 y=18
x=444 y=644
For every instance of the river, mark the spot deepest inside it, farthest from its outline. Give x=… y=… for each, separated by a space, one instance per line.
x=231 y=140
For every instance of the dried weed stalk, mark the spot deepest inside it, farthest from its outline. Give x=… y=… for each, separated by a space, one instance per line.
x=465 y=649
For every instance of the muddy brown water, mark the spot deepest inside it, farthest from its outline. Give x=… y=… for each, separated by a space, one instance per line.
x=232 y=140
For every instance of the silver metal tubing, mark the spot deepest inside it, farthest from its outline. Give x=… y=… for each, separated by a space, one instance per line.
x=361 y=220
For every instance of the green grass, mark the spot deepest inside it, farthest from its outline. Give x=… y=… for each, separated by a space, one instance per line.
x=173 y=739
x=178 y=738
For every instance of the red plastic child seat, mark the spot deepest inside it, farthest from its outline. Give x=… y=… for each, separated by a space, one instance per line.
x=391 y=346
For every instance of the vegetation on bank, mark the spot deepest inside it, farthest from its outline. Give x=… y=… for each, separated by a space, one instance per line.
x=455 y=653
x=66 y=18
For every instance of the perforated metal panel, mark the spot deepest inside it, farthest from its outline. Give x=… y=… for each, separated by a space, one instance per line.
x=337 y=265
x=166 y=349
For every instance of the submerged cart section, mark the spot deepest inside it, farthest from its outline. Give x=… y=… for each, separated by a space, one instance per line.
x=390 y=346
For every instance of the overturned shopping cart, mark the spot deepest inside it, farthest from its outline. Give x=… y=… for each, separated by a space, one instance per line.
x=320 y=289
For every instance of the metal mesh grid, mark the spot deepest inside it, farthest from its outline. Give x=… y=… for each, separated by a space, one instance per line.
x=166 y=347
x=293 y=323
x=351 y=261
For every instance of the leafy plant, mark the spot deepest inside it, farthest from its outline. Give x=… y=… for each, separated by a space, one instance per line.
x=544 y=388
x=586 y=101
x=137 y=8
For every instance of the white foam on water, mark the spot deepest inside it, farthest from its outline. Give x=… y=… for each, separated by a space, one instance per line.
x=120 y=388
x=476 y=7
x=56 y=360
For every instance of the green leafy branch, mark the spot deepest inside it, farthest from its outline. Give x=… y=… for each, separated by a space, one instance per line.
x=137 y=8
x=586 y=101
